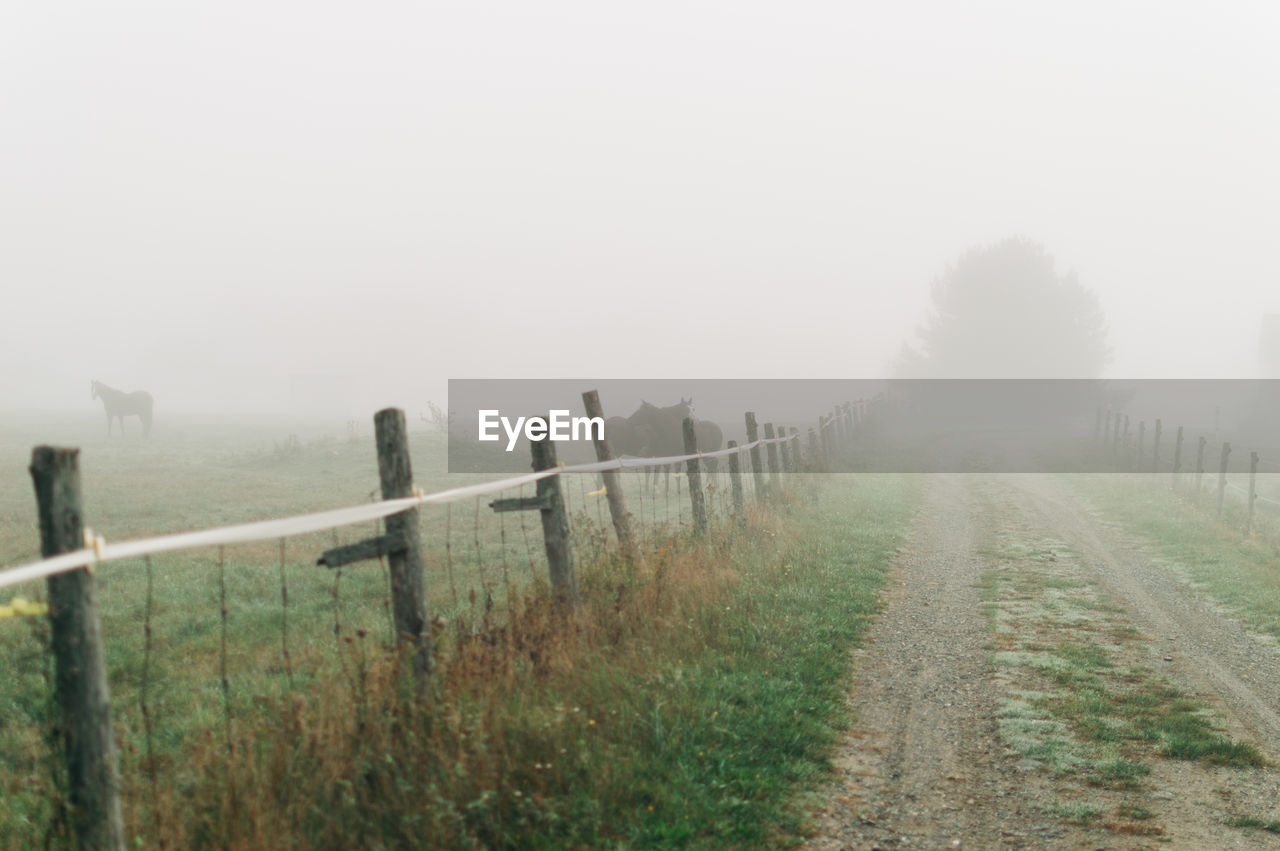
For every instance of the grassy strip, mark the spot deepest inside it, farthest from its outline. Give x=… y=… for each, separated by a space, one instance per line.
x=1237 y=571
x=479 y=565
x=1090 y=714
x=682 y=707
x=1254 y=824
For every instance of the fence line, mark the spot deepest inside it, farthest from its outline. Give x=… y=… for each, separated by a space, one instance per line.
x=76 y=635
x=1132 y=457
x=97 y=550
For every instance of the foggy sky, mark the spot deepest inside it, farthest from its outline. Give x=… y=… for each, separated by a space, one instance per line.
x=203 y=200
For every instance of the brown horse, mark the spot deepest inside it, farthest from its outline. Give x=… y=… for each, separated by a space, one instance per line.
x=657 y=432
x=120 y=405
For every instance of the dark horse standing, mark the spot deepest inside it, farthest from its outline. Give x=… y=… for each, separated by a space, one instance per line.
x=120 y=405
x=658 y=432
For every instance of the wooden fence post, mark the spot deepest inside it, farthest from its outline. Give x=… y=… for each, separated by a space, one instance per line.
x=1200 y=463
x=772 y=452
x=555 y=526
x=796 y=460
x=612 y=483
x=735 y=478
x=813 y=450
x=408 y=591
x=1253 y=490
x=1155 y=447
x=80 y=678
x=1222 y=475
x=756 y=471
x=829 y=447
x=1142 y=446
x=1177 y=458
x=693 y=471
x=784 y=451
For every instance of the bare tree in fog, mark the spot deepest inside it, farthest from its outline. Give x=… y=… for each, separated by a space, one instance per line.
x=1003 y=311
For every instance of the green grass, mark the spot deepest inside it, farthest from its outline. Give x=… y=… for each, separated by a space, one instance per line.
x=1076 y=813
x=1080 y=710
x=1254 y=824
x=704 y=721
x=1237 y=571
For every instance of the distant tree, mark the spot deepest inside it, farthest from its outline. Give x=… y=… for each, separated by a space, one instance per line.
x=1003 y=311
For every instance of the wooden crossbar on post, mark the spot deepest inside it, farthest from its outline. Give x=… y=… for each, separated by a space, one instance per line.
x=408 y=588
x=80 y=673
x=693 y=471
x=612 y=483
x=555 y=527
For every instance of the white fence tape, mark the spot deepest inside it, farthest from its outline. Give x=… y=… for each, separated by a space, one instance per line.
x=97 y=550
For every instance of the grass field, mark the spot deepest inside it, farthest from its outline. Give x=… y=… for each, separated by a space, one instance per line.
x=1212 y=553
x=685 y=706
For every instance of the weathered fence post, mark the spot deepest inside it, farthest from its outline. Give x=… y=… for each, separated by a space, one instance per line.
x=80 y=678
x=772 y=451
x=1222 y=475
x=1155 y=447
x=756 y=471
x=735 y=478
x=1253 y=490
x=693 y=471
x=555 y=526
x=1142 y=446
x=612 y=483
x=1177 y=458
x=1200 y=463
x=827 y=440
x=796 y=460
x=408 y=591
x=784 y=450
x=813 y=450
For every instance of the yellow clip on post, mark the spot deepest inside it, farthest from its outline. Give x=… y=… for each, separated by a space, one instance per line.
x=19 y=606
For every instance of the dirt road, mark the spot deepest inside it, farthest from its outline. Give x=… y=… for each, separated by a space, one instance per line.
x=1037 y=680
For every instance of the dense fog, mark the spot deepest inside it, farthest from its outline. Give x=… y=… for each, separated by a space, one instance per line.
x=323 y=209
